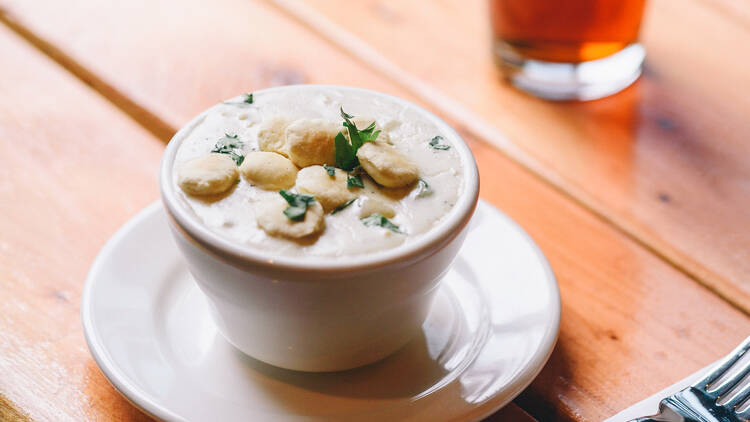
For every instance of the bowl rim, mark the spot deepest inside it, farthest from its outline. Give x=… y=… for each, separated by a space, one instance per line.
x=429 y=242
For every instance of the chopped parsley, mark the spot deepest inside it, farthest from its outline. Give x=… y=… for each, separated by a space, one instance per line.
x=298 y=204
x=354 y=182
x=423 y=189
x=344 y=205
x=346 y=151
x=231 y=146
x=435 y=143
x=378 y=220
x=369 y=133
x=330 y=169
x=248 y=98
x=346 y=157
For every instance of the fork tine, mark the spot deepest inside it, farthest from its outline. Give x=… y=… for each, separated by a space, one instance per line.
x=723 y=366
x=728 y=384
x=744 y=415
x=737 y=400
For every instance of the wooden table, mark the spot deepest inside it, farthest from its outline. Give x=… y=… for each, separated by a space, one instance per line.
x=640 y=201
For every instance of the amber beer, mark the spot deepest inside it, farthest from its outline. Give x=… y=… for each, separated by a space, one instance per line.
x=568 y=31
x=568 y=49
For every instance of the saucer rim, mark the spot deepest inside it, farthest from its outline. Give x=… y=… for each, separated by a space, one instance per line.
x=121 y=383
x=109 y=369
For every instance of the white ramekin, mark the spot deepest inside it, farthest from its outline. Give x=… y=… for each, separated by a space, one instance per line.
x=322 y=314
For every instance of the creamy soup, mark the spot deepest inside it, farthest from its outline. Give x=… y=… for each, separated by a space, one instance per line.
x=317 y=171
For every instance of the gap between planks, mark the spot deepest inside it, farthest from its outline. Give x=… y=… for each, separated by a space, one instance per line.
x=363 y=52
x=142 y=116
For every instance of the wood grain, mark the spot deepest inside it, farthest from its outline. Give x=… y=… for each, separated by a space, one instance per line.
x=665 y=160
x=628 y=328
x=74 y=169
x=9 y=412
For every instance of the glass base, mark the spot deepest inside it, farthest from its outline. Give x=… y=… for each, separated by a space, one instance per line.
x=572 y=81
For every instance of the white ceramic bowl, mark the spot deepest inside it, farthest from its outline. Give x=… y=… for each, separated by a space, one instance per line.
x=325 y=314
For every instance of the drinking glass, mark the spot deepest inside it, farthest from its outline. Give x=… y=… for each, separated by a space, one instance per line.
x=568 y=49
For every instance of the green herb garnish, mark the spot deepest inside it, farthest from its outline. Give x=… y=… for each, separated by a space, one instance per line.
x=354 y=182
x=358 y=137
x=232 y=146
x=435 y=143
x=423 y=189
x=378 y=220
x=346 y=152
x=353 y=131
x=369 y=133
x=248 y=98
x=298 y=204
x=345 y=115
x=330 y=169
x=344 y=205
x=346 y=158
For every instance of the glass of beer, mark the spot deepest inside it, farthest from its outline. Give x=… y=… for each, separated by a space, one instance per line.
x=568 y=49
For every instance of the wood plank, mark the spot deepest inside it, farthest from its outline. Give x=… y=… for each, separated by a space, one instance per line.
x=627 y=323
x=240 y=51
x=64 y=148
x=665 y=160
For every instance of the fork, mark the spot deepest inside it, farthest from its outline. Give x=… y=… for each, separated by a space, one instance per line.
x=700 y=401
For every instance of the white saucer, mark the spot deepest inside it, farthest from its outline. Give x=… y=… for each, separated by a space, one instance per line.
x=492 y=327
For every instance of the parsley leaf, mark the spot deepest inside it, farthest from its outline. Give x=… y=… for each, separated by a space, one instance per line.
x=378 y=220
x=435 y=143
x=353 y=131
x=298 y=204
x=369 y=134
x=346 y=157
x=346 y=152
x=232 y=146
x=330 y=169
x=354 y=182
x=248 y=98
x=346 y=115
x=423 y=189
x=342 y=206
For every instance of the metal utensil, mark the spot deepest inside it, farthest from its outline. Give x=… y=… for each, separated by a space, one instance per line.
x=700 y=401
